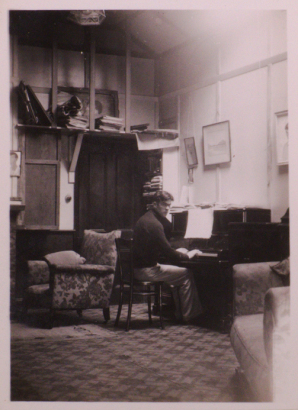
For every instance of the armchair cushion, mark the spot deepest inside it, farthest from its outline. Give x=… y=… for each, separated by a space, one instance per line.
x=65 y=258
x=100 y=248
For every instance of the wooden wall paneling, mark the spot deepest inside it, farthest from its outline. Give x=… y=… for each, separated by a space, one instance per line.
x=21 y=134
x=125 y=187
x=98 y=186
x=110 y=184
x=54 y=79
x=41 y=145
x=128 y=82
x=92 y=82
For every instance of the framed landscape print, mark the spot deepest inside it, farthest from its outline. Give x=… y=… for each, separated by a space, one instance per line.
x=217 y=143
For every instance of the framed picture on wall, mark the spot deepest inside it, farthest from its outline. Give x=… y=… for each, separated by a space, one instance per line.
x=217 y=143
x=282 y=137
x=191 y=152
x=15 y=163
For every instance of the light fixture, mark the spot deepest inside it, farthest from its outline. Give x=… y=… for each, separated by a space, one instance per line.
x=87 y=17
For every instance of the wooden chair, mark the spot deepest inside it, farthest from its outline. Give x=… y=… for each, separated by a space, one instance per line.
x=132 y=286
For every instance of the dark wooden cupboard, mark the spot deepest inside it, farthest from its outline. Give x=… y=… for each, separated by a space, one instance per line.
x=108 y=185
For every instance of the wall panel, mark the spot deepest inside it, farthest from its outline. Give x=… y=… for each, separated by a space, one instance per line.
x=244 y=104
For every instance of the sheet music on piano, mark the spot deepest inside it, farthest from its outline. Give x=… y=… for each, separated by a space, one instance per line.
x=200 y=220
x=200 y=223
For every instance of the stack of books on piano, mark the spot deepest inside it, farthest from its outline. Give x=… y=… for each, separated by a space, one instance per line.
x=109 y=123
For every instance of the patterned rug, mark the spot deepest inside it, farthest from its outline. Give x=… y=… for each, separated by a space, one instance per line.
x=86 y=360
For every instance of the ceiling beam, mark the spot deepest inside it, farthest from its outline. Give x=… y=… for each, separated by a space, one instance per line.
x=160 y=15
x=147 y=49
x=123 y=26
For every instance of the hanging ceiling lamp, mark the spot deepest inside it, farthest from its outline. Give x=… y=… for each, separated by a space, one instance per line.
x=87 y=17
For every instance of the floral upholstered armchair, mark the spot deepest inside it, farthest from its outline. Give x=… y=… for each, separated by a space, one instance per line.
x=68 y=280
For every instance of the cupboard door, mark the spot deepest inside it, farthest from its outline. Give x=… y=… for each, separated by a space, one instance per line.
x=42 y=175
x=41 y=188
x=107 y=188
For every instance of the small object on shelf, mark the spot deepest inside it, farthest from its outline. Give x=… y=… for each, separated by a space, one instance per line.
x=108 y=123
x=69 y=112
x=161 y=133
x=139 y=127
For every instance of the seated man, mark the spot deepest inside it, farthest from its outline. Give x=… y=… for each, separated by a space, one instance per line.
x=151 y=236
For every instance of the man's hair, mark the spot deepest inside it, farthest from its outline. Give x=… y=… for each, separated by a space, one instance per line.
x=161 y=196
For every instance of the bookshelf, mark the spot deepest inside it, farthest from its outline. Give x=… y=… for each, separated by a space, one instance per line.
x=150 y=170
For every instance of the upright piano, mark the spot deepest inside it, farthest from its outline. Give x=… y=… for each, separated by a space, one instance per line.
x=238 y=236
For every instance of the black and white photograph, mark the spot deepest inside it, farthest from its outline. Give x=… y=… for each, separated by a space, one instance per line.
x=15 y=163
x=191 y=152
x=119 y=288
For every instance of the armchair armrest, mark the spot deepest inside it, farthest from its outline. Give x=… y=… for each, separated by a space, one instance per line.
x=250 y=283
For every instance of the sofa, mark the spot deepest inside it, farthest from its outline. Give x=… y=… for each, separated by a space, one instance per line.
x=260 y=333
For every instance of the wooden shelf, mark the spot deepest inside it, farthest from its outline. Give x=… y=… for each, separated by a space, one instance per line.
x=71 y=131
x=17 y=208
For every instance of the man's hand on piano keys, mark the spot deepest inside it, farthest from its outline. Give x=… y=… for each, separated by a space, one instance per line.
x=193 y=253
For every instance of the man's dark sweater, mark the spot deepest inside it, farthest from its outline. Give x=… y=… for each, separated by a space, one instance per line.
x=151 y=240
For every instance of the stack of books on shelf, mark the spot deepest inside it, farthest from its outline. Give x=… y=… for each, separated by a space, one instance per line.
x=150 y=187
x=69 y=112
x=139 y=127
x=109 y=123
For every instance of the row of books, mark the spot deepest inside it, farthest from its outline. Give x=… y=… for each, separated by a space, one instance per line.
x=150 y=187
x=109 y=123
x=139 y=127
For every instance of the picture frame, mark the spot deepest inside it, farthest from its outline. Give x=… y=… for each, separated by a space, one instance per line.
x=15 y=163
x=282 y=137
x=217 y=143
x=106 y=101
x=191 y=152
